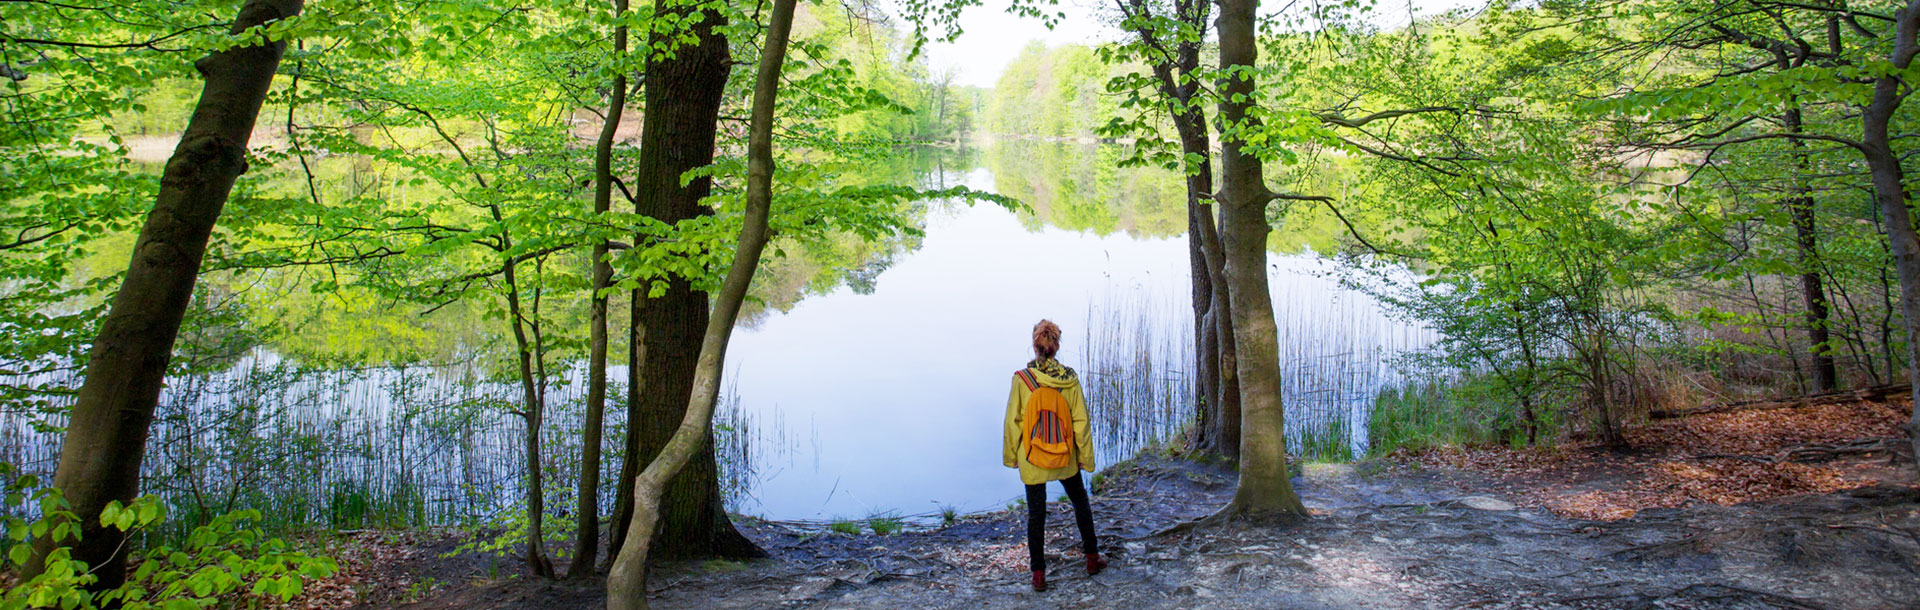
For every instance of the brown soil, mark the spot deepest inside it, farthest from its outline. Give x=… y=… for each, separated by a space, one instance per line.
x=1774 y=528
x=1722 y=458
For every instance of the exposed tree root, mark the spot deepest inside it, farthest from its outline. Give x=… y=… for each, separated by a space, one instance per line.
x=1231 y=513
x=1814 y=452
x=1873 y=394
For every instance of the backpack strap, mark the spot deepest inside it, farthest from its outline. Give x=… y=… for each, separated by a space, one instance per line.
x=1026 y=377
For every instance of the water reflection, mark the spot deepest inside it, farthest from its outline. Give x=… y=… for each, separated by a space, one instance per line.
x=871 y=377
x=905 y=384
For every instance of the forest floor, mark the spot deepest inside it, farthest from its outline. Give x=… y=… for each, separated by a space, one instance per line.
x=1783 y=508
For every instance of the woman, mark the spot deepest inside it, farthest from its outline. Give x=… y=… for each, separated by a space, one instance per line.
x=1044 y=382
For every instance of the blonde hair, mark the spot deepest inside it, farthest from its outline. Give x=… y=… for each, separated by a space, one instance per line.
x=1046 y=339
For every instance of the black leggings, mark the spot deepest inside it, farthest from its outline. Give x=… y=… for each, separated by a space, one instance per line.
x=1037 y=520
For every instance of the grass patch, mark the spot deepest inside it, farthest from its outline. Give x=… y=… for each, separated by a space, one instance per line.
x=886 y=524
x=1328 y=443
x=1467 y=412
x=844 y=526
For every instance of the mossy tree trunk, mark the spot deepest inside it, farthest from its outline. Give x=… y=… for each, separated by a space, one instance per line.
x=1175 y=62
x=1889 y=189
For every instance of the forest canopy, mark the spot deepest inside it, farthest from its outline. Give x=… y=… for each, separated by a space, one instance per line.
x=257 y=257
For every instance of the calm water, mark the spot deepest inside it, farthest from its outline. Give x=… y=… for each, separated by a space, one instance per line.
x=898 y=396
x=878 y=390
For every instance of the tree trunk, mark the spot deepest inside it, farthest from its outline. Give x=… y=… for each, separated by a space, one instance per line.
x=1206 y=375
x=1220 y=314
x=636 y=386
x=683 y=97
x=1265 y=488
x=1800 y=207
x=1533 y=366
x=1218 y=428
x=586 y=542
x=533 y=393
x=107 y=430
x=626 y=584
x=1889 y=190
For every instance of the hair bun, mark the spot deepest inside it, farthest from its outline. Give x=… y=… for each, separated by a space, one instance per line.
x=1046 y=339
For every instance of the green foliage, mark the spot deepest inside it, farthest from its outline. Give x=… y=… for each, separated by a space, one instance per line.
x=505 y=534
x=1328 y=442
x=1467 y=411
x=1052 y=93
x=222 y=563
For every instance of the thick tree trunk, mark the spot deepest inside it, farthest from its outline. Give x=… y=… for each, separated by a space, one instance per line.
x=586 y=542
x=683 y=96
x=1889 y=190
x=107 y=430
x=626 y=583
x=1265 y=488
x=1800 y=207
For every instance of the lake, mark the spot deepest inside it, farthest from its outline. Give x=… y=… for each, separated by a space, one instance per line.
x=880 y=390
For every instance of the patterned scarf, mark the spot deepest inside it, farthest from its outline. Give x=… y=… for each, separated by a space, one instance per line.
x=1051 y=367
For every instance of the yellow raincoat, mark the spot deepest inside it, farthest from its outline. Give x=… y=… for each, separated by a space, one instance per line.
x=1052 y=374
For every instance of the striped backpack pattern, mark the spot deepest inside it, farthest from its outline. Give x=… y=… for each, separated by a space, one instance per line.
x=1049 y=424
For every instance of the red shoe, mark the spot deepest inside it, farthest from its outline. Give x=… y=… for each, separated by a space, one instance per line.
x=1039 y=580
x=1095 y=564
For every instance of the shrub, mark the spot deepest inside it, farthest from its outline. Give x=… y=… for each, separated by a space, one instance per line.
x=225 y=562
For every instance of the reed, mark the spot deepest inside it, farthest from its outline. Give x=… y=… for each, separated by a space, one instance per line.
x=341 y=448
x=1337 y=353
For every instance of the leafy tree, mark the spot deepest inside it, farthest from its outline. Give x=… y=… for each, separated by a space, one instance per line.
x=106 y=435
x=686 y=81
x=587 y=539
x=1169 y=39
x=1264 y=487
x=1786 y=57
x=626 y=583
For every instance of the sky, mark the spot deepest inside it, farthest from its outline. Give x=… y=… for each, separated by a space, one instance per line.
x=991 y=38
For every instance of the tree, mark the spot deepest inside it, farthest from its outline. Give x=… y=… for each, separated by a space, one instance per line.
x=587 y=538
x=626 y=583
x=685 y=87
x=1820 y=54
x=1171 y=46
x=107 y=433
x=1890 y=90
x=1265 y=488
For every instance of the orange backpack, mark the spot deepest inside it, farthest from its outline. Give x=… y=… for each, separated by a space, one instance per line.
x=1049 y=425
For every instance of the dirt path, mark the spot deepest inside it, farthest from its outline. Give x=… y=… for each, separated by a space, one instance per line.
x=1395 y=538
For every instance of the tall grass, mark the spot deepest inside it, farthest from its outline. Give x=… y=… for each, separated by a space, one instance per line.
x=1336 y=351
x=1135 y=372
x=345 y=448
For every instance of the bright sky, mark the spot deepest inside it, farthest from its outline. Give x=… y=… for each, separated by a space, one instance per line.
x=991 y=37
